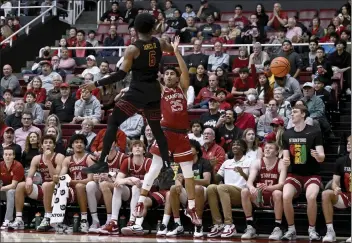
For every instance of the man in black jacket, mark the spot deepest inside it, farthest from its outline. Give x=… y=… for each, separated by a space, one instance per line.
x=64 y=107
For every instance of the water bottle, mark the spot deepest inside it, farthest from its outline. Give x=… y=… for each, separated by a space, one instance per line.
x=122 y=221
x=158 y=225
x=75 y=223
x=37 y=220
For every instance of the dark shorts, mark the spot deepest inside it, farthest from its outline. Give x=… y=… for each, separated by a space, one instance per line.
x=302 y=182
x=179 y=146
x=142 y=96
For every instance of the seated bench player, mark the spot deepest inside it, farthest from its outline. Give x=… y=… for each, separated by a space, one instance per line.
x=339 y=196
x=48 y=164
x=127 y=185
x=12 y=173
x=268 y=176
x=73 y=166
x=102 y=186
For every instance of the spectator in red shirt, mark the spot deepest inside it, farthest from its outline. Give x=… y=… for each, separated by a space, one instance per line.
x=241 y=61
x=35 y=86
x=81 y=42
x=12 y=172
x=211 y=151
x=72 y=40
x=244 y=120
x=206 y=93
x=97 y=144
x=242 y=84
x=240 y=20
x=133 y=36
x=221 y=95
x=277 y=19
x=336 y=21
x=62 y=43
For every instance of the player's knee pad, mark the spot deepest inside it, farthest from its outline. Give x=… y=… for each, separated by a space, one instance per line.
x=187 y=170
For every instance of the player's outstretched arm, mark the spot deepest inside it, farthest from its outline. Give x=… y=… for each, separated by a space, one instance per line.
x=184 y=80
x=131 y=53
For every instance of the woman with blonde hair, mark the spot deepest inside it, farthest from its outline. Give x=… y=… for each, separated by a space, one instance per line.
x=54 y=131
x=241 y=61
x=32 y=148
x=254 y=151
x=54 y=121
x=6 y=31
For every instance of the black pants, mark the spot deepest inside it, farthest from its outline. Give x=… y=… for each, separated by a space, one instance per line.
x=140 y=96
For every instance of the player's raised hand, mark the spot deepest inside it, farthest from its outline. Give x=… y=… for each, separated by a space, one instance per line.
x=89 y=86
x=175 y=43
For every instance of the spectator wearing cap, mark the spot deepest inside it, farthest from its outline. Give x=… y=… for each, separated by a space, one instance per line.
x=67 y=64
x=10 y=81
x=206 y=10
x=8 y=141
x=9 y=104
x=63 y=106
x=218 y=59
x=242 y=84
x=263 y=126
x=35 y=86
x=87 y=107
x=209 y=30
x=27 y=127
x=278 y=126
x=14 y=120
x=240 y=20
x=188 y=12
x=47 y=75
x=81 y=42
x=226 y=129
x=277 y=19
x=32 y=106
x=111 y=16
x=91 y=66
x=295 y=59
x=258 y=57
x=244 y=120
x=210 y=118
x=316 y=108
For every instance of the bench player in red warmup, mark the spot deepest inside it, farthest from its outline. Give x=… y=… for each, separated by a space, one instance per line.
x=142 y=58
x=175 y=124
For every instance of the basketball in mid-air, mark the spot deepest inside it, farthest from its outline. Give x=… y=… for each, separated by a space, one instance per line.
x=280 y=67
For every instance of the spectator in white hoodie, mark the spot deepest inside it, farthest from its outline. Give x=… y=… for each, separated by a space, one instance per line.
x=132 y=127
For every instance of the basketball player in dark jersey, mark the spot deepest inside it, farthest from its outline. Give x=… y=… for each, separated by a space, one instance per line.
x=142 y=58
x=266 y=176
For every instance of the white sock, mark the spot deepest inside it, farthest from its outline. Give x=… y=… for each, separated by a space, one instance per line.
x=19 y=215
x=166 y=219
x=279 y=221
x=141 y=199
x=95 y=217
x=177 y=221
x=311 y=228
x=84 y=215
x=108 y=218
x=330 y=226
x=191 y=203
x=139 y=221
x=292 y=228
x=47 y=215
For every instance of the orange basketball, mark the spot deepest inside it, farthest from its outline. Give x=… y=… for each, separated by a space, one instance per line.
x=280 y=67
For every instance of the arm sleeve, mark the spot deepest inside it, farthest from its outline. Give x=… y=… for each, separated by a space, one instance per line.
x=190 y=95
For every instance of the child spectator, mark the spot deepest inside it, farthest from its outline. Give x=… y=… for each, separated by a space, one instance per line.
x=34 y=108
x=221 y=95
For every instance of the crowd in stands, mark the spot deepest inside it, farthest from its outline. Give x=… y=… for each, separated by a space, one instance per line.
x=244 y=109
